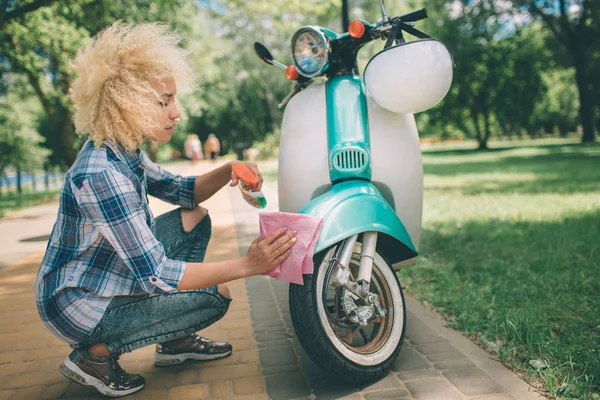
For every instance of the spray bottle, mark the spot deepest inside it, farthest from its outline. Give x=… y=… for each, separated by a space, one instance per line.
x=247 y=180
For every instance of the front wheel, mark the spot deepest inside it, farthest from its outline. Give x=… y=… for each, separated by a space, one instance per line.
x=325 y=320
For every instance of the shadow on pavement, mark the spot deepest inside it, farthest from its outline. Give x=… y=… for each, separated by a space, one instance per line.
x=43 y=238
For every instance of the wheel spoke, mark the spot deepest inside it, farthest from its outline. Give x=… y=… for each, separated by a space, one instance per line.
x=349 y=336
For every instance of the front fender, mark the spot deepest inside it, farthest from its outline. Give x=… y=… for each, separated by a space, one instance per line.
x=356 y=206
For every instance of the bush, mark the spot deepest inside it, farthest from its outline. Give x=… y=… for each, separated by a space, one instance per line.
x=268 y=148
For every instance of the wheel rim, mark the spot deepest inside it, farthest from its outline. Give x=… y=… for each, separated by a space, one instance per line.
x=377 y=341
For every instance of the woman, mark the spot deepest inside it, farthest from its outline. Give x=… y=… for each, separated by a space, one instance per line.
x=114 y=278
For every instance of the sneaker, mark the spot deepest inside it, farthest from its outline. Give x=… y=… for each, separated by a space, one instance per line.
x=192 y=347
x=102 y=373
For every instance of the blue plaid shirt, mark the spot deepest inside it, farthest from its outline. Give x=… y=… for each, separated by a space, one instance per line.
x=103 y=243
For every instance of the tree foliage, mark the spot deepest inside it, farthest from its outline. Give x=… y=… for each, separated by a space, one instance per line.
x=517 y=66
x=501 y=84
x=20 y=142
x=576 y=25
x=40 y=44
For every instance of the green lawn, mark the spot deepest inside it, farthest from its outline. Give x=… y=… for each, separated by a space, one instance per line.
x=12 y=201
x=510 y=255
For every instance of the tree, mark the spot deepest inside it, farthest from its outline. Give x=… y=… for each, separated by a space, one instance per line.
x=559 y=107
x=576 y=25
x=40 y=45
x=10 y=10
x=497 y=80
x=39 y=48
x=20 y=143
x=519 y=80
x=239 y=98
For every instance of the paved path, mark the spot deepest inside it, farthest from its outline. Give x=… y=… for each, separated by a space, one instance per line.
x=435 y=363
x=268 y=363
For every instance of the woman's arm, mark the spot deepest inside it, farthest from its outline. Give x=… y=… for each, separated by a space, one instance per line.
x=174 y=189
x=263 y=256
x=211 y=182
x=202 y=275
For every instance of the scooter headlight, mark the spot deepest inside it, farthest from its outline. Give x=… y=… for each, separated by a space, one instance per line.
x=310 y=51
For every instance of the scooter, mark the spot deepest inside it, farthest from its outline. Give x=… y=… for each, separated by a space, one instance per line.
x=355 y=140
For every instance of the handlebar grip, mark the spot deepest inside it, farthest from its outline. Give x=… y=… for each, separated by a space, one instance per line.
x=414 y=16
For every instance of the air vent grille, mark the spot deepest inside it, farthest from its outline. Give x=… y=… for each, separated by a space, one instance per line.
x=350 y=160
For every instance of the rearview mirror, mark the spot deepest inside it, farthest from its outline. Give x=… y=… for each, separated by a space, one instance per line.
x=263 y=53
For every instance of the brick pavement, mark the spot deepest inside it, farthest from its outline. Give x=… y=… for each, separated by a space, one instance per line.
x=268 y=362
x=436 y=363
x=30 y=355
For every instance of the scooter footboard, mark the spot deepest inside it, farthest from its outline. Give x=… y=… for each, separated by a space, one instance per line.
x=352 y=207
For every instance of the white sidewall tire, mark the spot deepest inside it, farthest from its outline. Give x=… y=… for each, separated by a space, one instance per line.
x=398 y=325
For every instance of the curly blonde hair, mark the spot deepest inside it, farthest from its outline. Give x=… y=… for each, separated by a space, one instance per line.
x=113 y=95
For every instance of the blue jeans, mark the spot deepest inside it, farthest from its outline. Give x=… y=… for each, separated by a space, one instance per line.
x=131 y=322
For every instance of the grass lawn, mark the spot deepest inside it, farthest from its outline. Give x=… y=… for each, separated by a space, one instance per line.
x=12 y=201
x=510 y=255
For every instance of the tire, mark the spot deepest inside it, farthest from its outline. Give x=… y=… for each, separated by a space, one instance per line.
x=330 y=352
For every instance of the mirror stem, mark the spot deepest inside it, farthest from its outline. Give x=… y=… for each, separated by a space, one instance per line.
x=278 y=64
x=384 y=17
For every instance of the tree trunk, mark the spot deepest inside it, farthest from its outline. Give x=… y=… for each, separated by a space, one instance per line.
x=478 y=135
x=482 y=145
x=67 y=128
x=67 y=139
x=562 y=128
x=486 y=123
x=19 y=188
x=32 y=173
x=47 y=176
x=586 y=101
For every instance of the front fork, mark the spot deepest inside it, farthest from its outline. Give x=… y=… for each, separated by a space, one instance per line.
x=341 y=275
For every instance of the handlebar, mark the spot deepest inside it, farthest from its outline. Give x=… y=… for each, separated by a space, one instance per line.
x=347 y=46
x=414 y=16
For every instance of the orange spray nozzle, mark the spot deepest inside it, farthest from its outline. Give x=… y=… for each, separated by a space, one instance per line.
x=245 y=174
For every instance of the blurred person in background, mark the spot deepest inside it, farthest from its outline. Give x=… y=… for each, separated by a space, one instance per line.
x=212 y=147
x=193 y=148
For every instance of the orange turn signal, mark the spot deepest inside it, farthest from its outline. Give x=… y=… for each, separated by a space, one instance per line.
x=291 y=73
x=356 y=29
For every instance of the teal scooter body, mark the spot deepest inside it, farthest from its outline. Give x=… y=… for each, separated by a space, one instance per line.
x=356 y=206
x=353 y=205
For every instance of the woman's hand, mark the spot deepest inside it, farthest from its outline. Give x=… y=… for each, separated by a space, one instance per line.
x=252 y=167
x=264 y=255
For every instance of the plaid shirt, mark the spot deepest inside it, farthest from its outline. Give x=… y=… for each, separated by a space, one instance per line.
x=103 y=243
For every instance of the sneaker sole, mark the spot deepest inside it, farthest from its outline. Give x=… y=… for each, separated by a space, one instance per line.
x=71 y=371
x=166 y=360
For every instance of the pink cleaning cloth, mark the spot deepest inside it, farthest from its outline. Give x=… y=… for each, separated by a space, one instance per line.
x=300 y=260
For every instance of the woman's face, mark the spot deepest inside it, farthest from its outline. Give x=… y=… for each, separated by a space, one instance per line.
x=166 y=90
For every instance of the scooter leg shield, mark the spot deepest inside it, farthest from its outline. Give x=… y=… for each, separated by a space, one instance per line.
x=353 y=207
